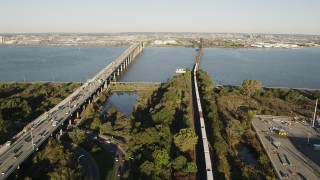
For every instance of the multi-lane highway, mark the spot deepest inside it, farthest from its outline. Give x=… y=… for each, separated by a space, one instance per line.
x=45 y=125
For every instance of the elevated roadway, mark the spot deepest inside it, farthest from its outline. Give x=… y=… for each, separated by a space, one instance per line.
x=39 y=130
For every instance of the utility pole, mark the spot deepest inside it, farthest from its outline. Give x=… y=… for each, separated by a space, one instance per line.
x=315 y=113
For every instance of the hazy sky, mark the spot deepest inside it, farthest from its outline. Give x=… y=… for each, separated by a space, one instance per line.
x=104 y=16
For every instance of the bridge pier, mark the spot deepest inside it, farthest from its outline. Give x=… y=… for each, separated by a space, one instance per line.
x=78 y=114
x=61 y=132
x=121 y=68
x=114 y=76
x=118 y=72
x=70 y=122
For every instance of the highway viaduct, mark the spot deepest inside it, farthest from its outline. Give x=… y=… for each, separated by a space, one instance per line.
x=39 y=130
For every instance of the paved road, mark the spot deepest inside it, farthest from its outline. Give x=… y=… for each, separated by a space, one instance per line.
x=87 y=163
x=44 y=126
x=115 y=151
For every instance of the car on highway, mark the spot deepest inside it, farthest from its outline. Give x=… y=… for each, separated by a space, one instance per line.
x=67 y=112
x=7 y=169
x=108 y=141
x=37 y=142
x=123 y=158
x=45 y=134
x=116 y=157
x=17 y=155
x=54 y=123
x=17 y=149
x=27 y=139
x=119 y=171
x=42 y=133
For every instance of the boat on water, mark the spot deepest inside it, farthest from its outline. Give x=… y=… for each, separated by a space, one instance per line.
x=180 y=71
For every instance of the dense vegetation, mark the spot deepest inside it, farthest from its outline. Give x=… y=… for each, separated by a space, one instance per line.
x=53 y=162
x=20 y=103
x=229 y=112
x=163 y=139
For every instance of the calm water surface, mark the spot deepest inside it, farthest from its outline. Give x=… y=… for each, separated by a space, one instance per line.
x=63 y=63
x=157 y=64
x=123 y=101
x=273 y=67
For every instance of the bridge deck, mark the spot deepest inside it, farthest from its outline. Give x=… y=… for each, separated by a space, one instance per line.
x=43 y=127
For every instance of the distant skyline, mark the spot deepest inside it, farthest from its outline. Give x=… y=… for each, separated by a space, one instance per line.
x=105 y=16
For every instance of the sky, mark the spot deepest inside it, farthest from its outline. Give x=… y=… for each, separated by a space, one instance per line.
x=106 y=16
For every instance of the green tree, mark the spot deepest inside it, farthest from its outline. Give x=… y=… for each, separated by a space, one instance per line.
x=185 y=139
x=250 y=87
x=96 y=124
x=234 y=131
x=90 y=111
x=161 y=163
x=179 y=163
x=106 y=128
x=5 y=129
x=65 y=173
x=77 y=136
x=190 y=168
x=147 y=168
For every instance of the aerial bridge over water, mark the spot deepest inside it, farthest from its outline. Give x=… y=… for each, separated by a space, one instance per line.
x=39 y=130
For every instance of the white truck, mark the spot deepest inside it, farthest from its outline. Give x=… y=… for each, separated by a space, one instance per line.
x=316 y=147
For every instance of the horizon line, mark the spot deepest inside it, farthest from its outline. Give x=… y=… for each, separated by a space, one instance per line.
x=158 y=32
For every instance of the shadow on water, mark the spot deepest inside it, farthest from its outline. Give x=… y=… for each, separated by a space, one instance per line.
x=246 y=154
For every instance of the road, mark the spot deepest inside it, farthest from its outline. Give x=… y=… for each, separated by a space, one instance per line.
x=87 y=163
x=42 y=127
x=115 y=151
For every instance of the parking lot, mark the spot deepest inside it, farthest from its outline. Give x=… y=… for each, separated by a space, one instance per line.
x=292 y=153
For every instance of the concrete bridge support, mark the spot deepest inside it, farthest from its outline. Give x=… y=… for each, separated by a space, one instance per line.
x=78 y=114
x=70 y=122
x=61 y=132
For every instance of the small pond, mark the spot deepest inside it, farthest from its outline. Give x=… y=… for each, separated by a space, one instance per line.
x=123 y=101
x=246 y=154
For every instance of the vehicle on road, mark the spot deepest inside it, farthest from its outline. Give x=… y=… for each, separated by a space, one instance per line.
x=119 y=171
x=37 y=142
x=7 y=169
x=27 y=139
x=282 y=159
x=17 y=149
x=108 y=141
x=45 y=134
x=55 y=123
x=42 y=133
x=316 y=147
x=72 y=99
x=116 y=157
x=17 y=155
x=123 y=158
